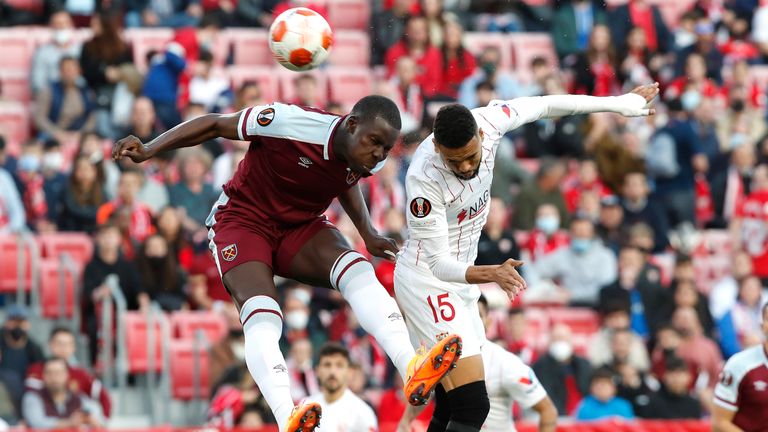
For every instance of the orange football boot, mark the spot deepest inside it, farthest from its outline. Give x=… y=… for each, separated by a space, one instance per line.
x=427 y=368
x=304 y=417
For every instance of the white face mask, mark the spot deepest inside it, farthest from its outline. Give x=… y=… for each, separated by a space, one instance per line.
x=297 y=320
x=53 y=161
x=548 y=224
x=63 y=36
x=560 y=350
x=303 y=296
x=238 y=349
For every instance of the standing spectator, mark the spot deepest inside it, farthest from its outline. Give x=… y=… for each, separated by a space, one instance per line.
x=730 y=186
x=602 y=401
x=45 y=62
x=673 y=400
x=564 y=375
x=546 y=237
x=497 y=243
x=12 y=216
x=307 y=91
x=489 y=69
x=572 y=24
x=161 y=277
x=641 y=13
x=64 y=108
x=161 y=84
x=133 y=217
x=18 y=350
x=387 y=27
x=100 y=60
x=205 y=88
x=56 y=405
x=415 y=44
x=82 y=197
x=193 y=196
x=545 y=189
x=749 y=223
x=458 y=63
x=62 y=345
x=143 y=124
x=739 y=328
x=594 y=69
x=342 y=410
x=637 y=64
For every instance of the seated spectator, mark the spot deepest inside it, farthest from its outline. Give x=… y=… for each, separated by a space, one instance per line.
x=458 y=63
x=385 y=192
x=694 y=78
x=387 y=27
x=144 y=124
x=162 y=278
x=684 y=294
x=415 y=44
x=193 y=196
x=610 y=223
x=744 y=116
x=749 y=223
x=588 y=179
x=82 y=197
x=740 y=327
x=638 y=208
x=62 y=345
x=741 y=78
x=489 y=69
x=545 y=189
x=146 y=13
x=55 y=405
x=12 y=215
x=133 y=217
x=211 y=91
x=698 y=351
x=235 y=396
x=406 y=93
x=92 y=146
x=616 y=343
x=497 y=243
x=730 y=186
x=564 y=375
x=725 y=292
x=107 y=260
x=18 y=350
x=673 y=400
x=307 y=91
x=230 y=351
x=706 y=46
x=64 y=108
x=602 y=402
x=299 y=324
x=31 y=184
x=47 y=57
x=11 y=391
x=594 y=69
x=154 y=175
x=301 y=374
x=572 y=24
x=566 y=265
x=638 y=65
x=516 y=337
x=546 y=237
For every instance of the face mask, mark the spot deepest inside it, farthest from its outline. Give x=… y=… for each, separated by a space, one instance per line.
x=29 y=163
x=737 y=140
x=238 y=349
x=548 y=224
x=297 y=320
x=303 y=296
x=560 y=350
x=17 y=333
x=53 y=161
x=62 y=37
x=580 y=245
x=738 y=105
x=690 y=100
x=669 y=352
x=489 y=68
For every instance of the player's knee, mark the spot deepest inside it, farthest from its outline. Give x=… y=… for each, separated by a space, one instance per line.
x=349 y=266
x=469 y=407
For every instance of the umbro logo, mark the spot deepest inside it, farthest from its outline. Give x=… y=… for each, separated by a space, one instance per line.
x=305 y=162
x=280 y=368
x=395 y=316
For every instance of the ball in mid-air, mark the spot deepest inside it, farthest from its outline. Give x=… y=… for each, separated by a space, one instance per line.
x=300 y=39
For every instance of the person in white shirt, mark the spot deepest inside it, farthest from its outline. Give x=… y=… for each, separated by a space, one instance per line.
x=343 y=411
x=447 y=190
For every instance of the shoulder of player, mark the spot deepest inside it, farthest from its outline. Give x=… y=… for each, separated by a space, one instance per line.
x=301 y=123
x=745 y=361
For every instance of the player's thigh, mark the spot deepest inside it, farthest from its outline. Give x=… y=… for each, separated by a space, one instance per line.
x=308 y=253
x=468 y=370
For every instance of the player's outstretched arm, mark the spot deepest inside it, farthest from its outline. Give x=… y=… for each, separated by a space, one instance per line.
x=722 y=420
x=187 y=134
x=547 y=415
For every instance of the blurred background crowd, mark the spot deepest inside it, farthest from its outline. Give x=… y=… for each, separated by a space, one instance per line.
x=645 y=239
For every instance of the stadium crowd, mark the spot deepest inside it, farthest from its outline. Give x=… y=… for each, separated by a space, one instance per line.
x=654 y=229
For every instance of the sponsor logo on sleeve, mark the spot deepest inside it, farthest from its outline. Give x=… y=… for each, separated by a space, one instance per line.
x=420 y=207
x=265 y=117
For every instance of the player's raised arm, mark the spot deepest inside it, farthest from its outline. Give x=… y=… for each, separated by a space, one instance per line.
x=353 y=203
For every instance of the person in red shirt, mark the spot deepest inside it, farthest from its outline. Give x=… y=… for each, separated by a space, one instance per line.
x=695 y=78
x=588 y=179
x=458 y=63
x=132 y=217
x=594 y=69
x=751 y=222
x=415 y=43
x=61 y=345
x=547 y=236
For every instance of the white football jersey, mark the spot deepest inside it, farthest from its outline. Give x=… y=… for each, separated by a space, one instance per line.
x=446 y=209
x=347 y=414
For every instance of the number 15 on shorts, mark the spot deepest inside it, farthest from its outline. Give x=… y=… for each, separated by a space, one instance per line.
x=447 y=312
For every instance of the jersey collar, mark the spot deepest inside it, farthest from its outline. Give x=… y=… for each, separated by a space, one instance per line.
x=328 y=147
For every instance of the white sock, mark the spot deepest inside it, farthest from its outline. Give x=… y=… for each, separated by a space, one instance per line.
x=263 y=324
x=376 y=311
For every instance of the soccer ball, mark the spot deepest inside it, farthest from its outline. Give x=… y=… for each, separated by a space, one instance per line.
x=300 y=39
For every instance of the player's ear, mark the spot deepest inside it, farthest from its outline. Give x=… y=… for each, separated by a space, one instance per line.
x=481 y=133
x=435 y=143
x=352 y=122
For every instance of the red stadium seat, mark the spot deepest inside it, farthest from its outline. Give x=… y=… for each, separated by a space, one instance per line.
x=14 y=85
x=14 y=122
x=348 y=85
x=250 y=47
x=185 y=324
x=350 y=48
x=476 y=42
x=52 y=281
x=349 y=14
x=137 y=345
x=266 y=77
x=288 y=88
x=527 y=46
x=182 y=370
x=79 y=246
x=18 y=49
x=9 y=275
x=580 y=320
x=144 y=40
x=29 y=5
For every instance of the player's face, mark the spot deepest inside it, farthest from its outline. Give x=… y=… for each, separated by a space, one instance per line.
x=464 y=162
x=333 y=372
x=370 y=143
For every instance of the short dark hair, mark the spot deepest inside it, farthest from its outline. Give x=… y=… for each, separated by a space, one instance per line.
x=602 y=373
x=331 y=349
x=370 y=107
x=454 y=126
x=57 y=330
x=485 y=85
x=205 y=56
x=67 y=58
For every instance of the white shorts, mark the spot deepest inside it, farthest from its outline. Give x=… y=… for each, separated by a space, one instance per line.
x=434 y=309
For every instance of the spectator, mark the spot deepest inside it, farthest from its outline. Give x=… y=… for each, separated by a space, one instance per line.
x=47 y=57
x=739 y=47
x=436 y=20
x=705 y=46
x=11 y=390
x=458 y=63
x=177 y=13
x=385 y=193
x=298 y=323
x=567 y=264
x=740 y=327
x=724 y=292
x=65 y=107
x=602 y=401
x=749 y=223
x=32 y=184
x=730 y=186
x=55 y=405
x=594 y=69
x=12 y=214
x=616 y=343
x=640 y=13
x=684 y=294
x=107 y=260
x=82 y=197
x=18 y=350
x=387 y=27
x=253 y=13
x=588 y=179
x=693 y=77
x=154 y=176
x=101 y=60
x=161 y=277
x=230 y=351
x=161 y=84
x=302 y=377
x=673 y=400
x=637 y=64
x=572 y=24
x=564 y=375
x=696 y=349
x=144 y=124
x=497 y=243
x=743 y=120
x=193 y=196
x=546 y=237
x=403 y=89
x=610 y=223
x=517 y=337
x=62 y=345
x=92 y=146
x=415 y=44
x=489 y=68
x=248 y=95
x=307 y=91
x=133 y=217
x=760 y=28
x=211 y=91
x=545 y=189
